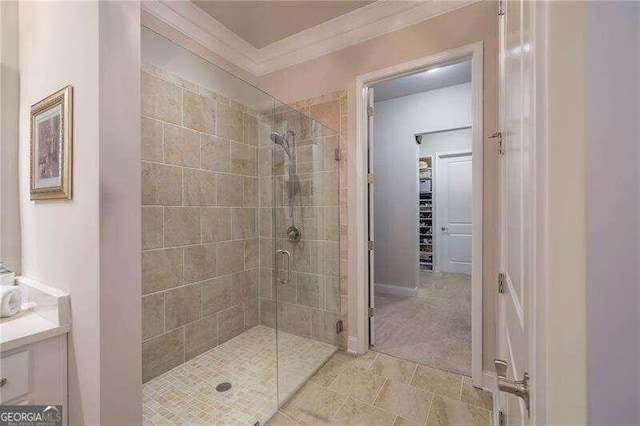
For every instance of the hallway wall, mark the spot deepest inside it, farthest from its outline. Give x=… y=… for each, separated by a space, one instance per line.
x=396 y=121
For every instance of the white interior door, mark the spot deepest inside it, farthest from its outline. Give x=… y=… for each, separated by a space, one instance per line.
x=453 y=191
x=516 y=198
x=372 y=293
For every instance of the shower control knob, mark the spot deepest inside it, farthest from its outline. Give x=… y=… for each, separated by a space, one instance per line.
x=294 y=234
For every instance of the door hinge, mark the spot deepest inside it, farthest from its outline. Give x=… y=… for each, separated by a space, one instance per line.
x=501 y=282
x=339 y=326
x=369 y=178
x=371 y=312
x=498 y=136
x=369 y=111
x=337 y=154
x=501 y=8
x=370 y=245
x=501 y=418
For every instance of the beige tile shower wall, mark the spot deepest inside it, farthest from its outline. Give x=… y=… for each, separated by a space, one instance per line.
x=316 y=298
x=199 y=220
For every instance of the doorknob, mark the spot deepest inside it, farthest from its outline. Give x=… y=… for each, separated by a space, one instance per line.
x=519 y=388
x=444 y=228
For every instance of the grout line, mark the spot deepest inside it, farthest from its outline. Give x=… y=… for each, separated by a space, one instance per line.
x=184 y=345
x=379 y=391
x=339 y=408
x=433 y=396
x=164 y=313
x=413 y=375
x=461 y=386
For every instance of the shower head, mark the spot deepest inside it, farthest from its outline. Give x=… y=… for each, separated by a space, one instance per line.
x=279 y=139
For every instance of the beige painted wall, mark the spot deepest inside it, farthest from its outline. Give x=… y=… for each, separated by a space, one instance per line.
x=338 y=71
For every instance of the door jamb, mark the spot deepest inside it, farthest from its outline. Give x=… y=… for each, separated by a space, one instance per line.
x=358 y=341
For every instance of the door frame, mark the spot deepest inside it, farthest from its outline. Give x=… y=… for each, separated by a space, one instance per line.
x=437 y=168
x=359 y=341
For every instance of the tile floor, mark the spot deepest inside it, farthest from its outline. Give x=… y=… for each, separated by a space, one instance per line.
x=186 y=394
x=432 y=328
x=377 y=389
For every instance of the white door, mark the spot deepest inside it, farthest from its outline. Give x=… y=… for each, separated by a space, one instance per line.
x=516 y=199
x=372 y=293
x=453 y=212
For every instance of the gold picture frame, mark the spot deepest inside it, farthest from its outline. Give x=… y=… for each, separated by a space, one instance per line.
x=51 y=146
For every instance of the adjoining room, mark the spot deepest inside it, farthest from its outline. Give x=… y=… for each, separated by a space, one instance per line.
x=422 y=191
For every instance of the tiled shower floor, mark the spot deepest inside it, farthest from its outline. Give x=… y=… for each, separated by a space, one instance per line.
x=186 y=395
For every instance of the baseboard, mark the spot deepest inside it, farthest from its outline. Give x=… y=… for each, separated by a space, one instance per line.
x=396 y=290
x=354 y=345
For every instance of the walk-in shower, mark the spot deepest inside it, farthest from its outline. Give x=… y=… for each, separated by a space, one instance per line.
x=231 y=181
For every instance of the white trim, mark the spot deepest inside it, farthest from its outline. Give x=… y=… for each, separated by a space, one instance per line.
x=365 y=23
x=538 y=303
x=200 y=27
x=396 y=290
x=358 y=209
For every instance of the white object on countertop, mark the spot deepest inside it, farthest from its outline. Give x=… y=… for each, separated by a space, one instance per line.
x=6 y=276
x=45 y=313
x=11 y=300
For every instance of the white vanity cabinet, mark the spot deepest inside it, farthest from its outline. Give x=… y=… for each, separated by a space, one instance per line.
x=35 y=373
x=33 y=349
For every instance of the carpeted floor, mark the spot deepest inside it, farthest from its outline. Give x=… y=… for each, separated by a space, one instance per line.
x=432 y=328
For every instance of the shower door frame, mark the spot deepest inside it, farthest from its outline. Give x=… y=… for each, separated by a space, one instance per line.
x=359 y=211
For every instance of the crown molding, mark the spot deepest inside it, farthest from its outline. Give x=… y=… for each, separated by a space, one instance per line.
x=365 y=23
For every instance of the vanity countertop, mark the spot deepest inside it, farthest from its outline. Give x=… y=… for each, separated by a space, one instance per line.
x=27 y=327
x=45 y=313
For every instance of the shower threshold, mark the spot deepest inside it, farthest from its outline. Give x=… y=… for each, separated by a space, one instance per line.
x=187 y=394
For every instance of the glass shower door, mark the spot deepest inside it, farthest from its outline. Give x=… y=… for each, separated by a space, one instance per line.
x=307 y=253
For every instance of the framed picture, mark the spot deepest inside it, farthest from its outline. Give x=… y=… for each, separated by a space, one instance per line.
x=51 y=130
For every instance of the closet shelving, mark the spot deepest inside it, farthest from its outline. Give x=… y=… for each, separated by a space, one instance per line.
x=425 y=213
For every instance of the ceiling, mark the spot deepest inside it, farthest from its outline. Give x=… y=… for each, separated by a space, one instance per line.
x=432 y=79
x=261 y=23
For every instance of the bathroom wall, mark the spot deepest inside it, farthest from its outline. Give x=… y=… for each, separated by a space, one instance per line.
x=337 y=71
x=612 y=211
x=315 y=298
x=89 y=246
x=199 y=219
x=396 y=123
x=10 y=95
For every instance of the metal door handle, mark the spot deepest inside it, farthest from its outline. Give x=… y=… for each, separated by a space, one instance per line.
x=519 y=388
x=444 y=228
x=3 y=382
x=286 y=254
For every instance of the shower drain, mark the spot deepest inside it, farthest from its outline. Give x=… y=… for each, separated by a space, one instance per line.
x=223 y=387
